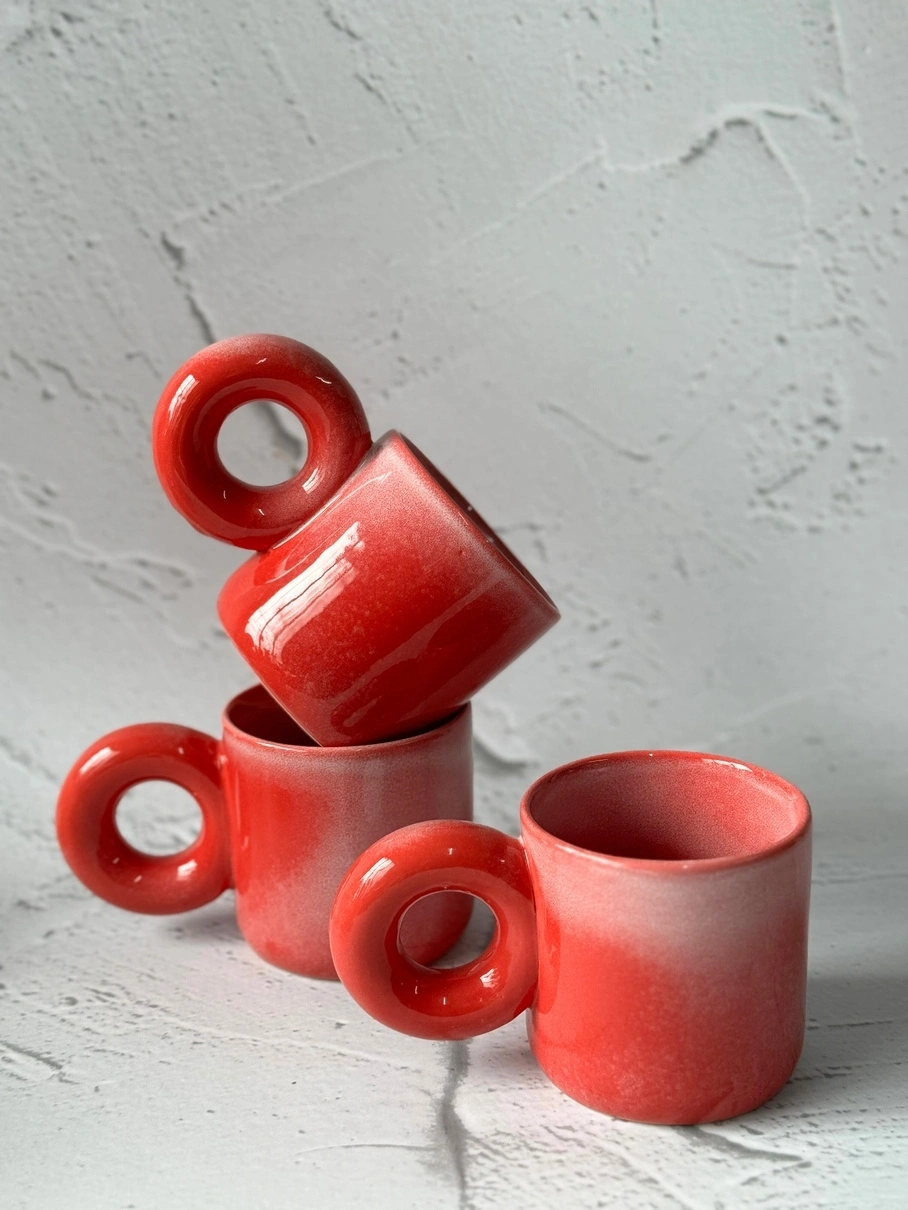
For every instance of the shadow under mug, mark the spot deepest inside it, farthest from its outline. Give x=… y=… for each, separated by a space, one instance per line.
x=282 y=819
x=380 y=600
x=653 y=919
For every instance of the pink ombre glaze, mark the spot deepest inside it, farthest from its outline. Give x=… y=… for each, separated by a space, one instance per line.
x=654 y=918
x=380 y=601
x=282 y=820
x=388 y=609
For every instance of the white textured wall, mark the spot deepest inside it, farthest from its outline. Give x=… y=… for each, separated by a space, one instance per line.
x=635 y=275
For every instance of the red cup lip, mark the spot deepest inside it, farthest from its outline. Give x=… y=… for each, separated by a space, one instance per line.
x=424 y=467
x=660 y=866
x=259 y=694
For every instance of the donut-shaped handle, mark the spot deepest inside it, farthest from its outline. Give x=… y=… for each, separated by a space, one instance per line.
x=218 y=380
x=392 y=875
x=93 y=845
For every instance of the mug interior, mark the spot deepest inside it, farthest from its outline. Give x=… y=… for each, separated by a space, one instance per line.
x=256 y=713
x=667 y=806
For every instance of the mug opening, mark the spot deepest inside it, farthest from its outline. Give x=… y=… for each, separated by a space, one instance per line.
x=667 y=807
x=256 y=713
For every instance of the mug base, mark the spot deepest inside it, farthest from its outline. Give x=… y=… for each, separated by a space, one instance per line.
x=657 y=1110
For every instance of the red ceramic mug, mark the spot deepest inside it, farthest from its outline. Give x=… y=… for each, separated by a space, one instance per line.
x=653 y=919
x=282 y=819
x=380 y=600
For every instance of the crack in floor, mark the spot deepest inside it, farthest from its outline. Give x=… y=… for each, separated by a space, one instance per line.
x=453 y=1134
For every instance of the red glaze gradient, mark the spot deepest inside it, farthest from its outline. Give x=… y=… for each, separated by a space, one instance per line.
x=218 y=380
x=282 y=821
x=671 y=894
x=388 y=609
x=385 y=601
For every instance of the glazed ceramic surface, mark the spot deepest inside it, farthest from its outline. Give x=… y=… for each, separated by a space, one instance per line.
x=653 y=919
x=383 y=610
x=282 y=820
x=218 y=380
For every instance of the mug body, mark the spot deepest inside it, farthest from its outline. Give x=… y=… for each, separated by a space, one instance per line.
x=299 y=815
x=387 y=609
x=672 y=894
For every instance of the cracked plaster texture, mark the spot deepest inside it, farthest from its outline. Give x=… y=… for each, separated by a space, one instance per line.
x=636 y=276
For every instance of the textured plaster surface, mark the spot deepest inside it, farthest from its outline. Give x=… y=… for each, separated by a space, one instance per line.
x=636 y=277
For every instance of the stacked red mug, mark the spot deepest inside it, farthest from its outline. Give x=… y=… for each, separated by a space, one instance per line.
x=652 y=917
x=376 y=604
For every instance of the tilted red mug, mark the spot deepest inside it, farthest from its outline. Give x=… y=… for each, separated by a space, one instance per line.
x=653 y=919
x=380 y=600
x=282 y=819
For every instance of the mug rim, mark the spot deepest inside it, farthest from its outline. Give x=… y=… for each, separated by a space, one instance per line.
x=229 y=725
x=652 y=865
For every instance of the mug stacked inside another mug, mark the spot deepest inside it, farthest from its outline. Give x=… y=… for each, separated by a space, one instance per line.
x=376 y=604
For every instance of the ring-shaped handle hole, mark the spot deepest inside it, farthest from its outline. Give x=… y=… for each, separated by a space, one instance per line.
x=158 y=818
x=474 y=942
x=458 y=983
x=262 y=443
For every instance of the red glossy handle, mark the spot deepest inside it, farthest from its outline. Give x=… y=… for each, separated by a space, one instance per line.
x=418 y=860
x=98 y=854
x=212 y=384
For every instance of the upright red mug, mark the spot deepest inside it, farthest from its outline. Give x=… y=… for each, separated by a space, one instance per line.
x=380 y=600
x=653 y=920
x=282 y=819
